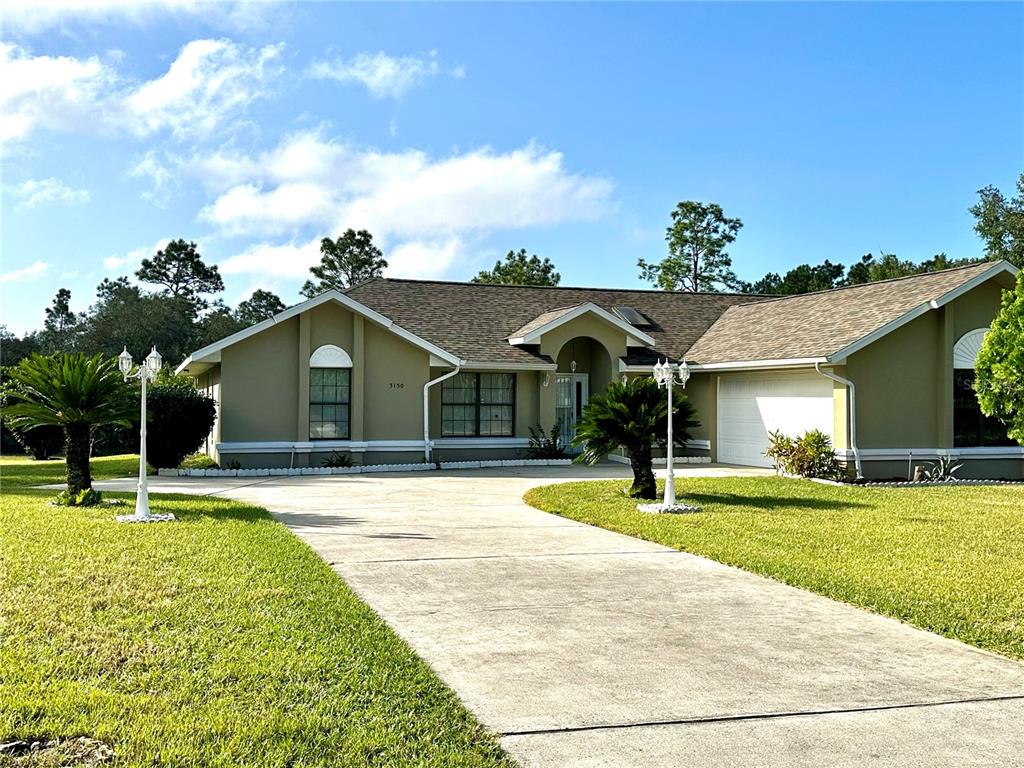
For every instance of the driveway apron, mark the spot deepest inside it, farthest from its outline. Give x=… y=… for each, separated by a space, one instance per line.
x=583 y=647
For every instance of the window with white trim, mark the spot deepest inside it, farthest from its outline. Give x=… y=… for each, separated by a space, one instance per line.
x=330 y=394
x=971 y=427
x=478 y=405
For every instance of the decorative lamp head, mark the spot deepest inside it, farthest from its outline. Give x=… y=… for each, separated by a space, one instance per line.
x=153 y=364
x=124 y=362
x=572 y=366
x=684 y=373
x=661 y=372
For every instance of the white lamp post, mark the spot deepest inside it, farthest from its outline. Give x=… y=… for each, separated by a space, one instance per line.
x=668 y=375
x=146 y=372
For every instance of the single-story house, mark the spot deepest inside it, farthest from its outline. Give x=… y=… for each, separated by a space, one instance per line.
x=395 y=371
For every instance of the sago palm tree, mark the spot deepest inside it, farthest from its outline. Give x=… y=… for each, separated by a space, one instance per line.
x=633 y=416
x=73 y=392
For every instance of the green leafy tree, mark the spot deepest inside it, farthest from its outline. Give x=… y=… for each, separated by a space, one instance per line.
x=181 y=271
x=76 y=393
x=351 y=259
x=633 y=416
x=520 y=269
x=999 y=222
x=13 y=348
x=697 y=260
x=125 y=316
x=802 y=279
x=259 y=307
x=999 y=371
x=60 y=324
x=219 y=323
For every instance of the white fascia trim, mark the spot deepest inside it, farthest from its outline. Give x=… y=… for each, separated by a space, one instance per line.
x=311 y=446
x=753 y=365
x=901 y=454
x=997 y=268
x=587 y=307
x=481 y=442
x=211 y=352
x=476 y=365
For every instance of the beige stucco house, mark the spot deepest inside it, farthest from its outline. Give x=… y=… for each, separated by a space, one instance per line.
x=396 y=371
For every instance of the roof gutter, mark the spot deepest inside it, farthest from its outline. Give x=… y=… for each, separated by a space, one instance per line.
x=427 y=446
x=853 y=414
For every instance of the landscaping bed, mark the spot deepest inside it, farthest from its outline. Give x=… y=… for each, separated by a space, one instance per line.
x=949 y=559
x=218 y=640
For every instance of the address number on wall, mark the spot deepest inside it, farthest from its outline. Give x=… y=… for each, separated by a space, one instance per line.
x=396 y=385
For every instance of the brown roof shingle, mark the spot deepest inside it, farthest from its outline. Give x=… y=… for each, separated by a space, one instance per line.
x=820 y=324
x=475 y=321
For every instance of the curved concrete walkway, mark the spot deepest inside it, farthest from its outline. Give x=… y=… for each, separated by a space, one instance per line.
x=588 y=648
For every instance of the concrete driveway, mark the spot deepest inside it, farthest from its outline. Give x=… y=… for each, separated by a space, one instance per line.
x=583 y=647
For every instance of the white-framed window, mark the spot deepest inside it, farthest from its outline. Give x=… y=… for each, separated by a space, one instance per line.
x=478 y=405
x=330 y=394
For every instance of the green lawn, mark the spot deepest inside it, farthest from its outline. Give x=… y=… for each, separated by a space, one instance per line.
x=219 y=640
x=950 y=560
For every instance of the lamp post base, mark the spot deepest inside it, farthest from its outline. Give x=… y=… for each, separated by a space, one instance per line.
x=667 y=509
x=167 y=517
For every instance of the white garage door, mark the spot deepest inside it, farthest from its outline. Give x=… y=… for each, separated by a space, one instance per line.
x=750 y=405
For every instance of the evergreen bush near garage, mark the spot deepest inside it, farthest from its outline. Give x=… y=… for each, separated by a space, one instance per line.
x=179 y=420
x=810 y=455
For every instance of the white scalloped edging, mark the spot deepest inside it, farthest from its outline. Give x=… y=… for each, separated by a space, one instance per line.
x=362 y=469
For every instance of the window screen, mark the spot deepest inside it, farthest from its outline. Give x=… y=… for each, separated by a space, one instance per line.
x=478 y=404
x=329 y=403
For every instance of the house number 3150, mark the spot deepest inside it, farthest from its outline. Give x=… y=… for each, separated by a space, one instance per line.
x=396 y=385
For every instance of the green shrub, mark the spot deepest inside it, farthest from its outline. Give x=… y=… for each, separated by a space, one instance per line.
x=198 y=461
x=810 y=455
x=87 y=497
x=180 y=418
x=337 y=460
x=546 y=445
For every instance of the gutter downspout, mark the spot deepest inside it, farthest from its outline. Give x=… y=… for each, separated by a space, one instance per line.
x=426 y=409
x=853 y=414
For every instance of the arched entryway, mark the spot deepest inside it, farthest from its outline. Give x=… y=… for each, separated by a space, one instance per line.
x=583 y=367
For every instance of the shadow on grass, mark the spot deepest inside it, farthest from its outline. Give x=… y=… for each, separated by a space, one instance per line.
x=769 y=502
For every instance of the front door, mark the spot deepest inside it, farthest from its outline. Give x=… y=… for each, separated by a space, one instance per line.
x=571 y=393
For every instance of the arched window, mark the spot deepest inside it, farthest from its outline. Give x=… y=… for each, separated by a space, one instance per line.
x=330 y=393
x=971 y=428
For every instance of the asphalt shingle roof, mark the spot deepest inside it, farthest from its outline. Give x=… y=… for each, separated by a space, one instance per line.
x=820 y=324
x=475 y=321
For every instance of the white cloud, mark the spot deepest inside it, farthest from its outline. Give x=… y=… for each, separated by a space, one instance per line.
x=208 y=84
x=33 y=271
x=160 y=174
x=57 y=93
x=385 y=77
x=421 y=210
x=291 y=260
x=33 y=16
x=133 y=258
x=41 y=191
x=209 y=81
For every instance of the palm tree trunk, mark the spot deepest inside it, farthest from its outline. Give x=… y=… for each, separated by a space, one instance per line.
x=644 y=485
x=76 y=457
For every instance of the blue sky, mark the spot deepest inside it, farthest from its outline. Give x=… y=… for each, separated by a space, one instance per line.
x=456 y=132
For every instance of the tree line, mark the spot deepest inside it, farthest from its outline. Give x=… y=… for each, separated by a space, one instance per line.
x=174 y=303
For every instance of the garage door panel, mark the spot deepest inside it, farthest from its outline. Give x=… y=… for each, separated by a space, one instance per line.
x=752 y=405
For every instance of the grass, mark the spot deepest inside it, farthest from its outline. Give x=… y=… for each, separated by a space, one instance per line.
x=949 y=560
x=219 y=640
